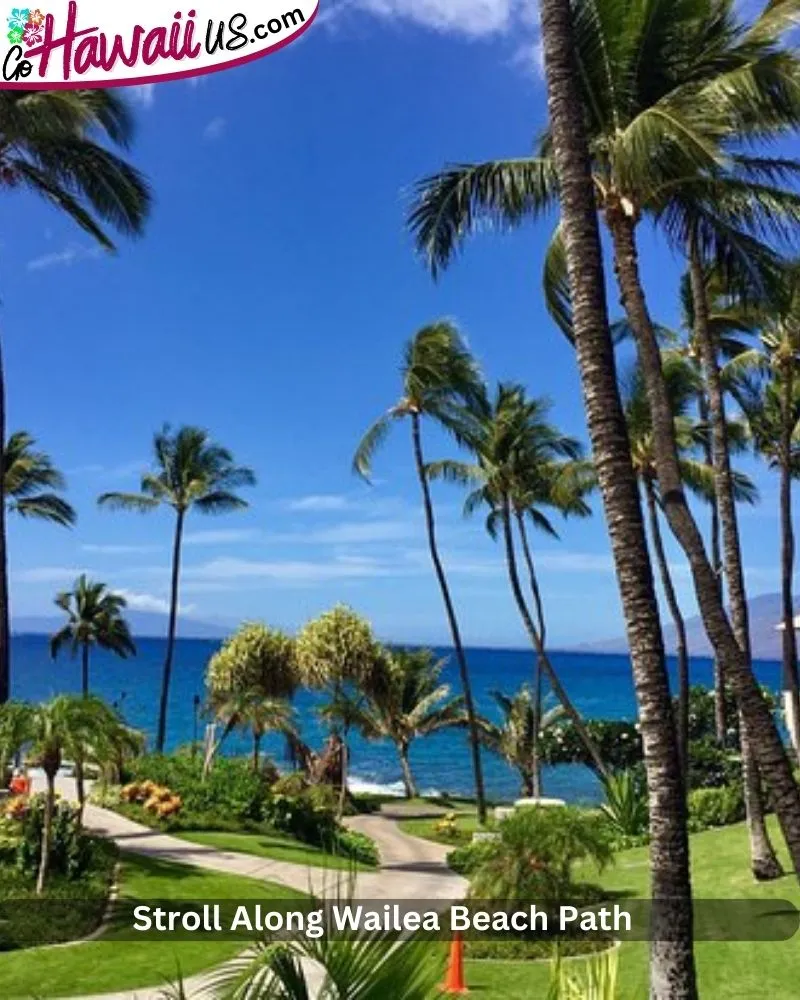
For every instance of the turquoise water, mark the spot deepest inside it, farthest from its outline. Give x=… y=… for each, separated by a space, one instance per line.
x=600 y=685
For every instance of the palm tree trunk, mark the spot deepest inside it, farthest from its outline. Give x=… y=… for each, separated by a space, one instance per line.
x=256 y=750
x=161 y=736
x=536 y=702
x=85 y=670
x=80 y=788
x=530 y=628
x=47 y=832
x=408 y=776
x=720 y=714
x=469 y=704
x=763 y=860
x=5 y=626
x=672 y=971
x=789 y=639
x=770 y=753
x=345 y=754
x=682 y=714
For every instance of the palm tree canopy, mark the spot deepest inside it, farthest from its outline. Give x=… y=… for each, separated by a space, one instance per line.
x=440 y=379
x=55 y=144
x=94 y=618
x=70 y=726
x=250 y=711
x=405 y=698
x=190 y=471
x=521 y=458
x=669 y=90
x=32 y=482
x=513 y=737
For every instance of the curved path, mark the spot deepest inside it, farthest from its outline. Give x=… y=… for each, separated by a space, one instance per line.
x=410 y=869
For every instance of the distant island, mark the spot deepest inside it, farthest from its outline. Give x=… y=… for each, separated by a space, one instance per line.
x=765 y=614
x=144 y=625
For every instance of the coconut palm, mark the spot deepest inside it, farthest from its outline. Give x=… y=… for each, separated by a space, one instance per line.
x=252 y=713
x=190 y=472
x=672 y=969
x=32 y=483
x=662 y=142
x=15 y=720
x=406 y=701
x=94 y=618
x=56 y=145
x=524 y=466
x=515 y=737
x=698 y=478
x=439 y=377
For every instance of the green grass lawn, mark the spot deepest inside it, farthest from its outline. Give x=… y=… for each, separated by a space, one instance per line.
x=727 y=970
x=110 y=964
x=466 y=825
x=272 y=845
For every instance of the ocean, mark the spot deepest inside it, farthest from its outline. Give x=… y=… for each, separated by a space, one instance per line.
x=600 y=685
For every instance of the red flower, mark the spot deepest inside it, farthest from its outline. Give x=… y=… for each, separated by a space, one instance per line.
x=33 y=34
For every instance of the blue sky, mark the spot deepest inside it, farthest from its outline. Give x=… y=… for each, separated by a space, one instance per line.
x=269 y=302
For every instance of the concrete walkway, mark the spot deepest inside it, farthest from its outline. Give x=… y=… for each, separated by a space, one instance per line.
x=410 y=869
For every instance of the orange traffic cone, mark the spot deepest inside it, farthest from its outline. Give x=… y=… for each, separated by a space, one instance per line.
x=454 y=980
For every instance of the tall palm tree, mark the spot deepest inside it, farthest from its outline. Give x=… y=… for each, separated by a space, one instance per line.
x=190 y=472
x=698 y=478
x=440 y=377
x=524 y=466
x=516 y=736
x=32 y=483
x=56 y=145
x=406 y=701
x=94 y=618
x=672 y=970
x=662 y=142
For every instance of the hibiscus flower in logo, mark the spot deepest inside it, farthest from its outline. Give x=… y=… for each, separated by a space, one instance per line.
x=18 y=19
x=33 y=34
x=36 y=17
x=15 y=36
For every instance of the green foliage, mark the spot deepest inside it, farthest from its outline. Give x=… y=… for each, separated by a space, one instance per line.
x=94 y=618
x=356 y=846
x=709 y=807
x=32 y=482
x=536 y=852
x=712 y=767
x=618 y=742
x=15 y=731
x=256 y=659
x=232 y=789
x=625 y=807
x=337 y=648
x=70 y=848
x=467 y=858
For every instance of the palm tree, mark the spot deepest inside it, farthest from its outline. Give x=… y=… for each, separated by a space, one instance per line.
x=63 y=727
x=439 y=378
x=514 y=739
x=663 y=143
x=32 y=483
x=406 y=701
x=191 y=472
x=672 y=970
x=698 y=478
x=525 y=465
x=95 y=618
x=251 y=712
x=15 y=720
x=55 y=144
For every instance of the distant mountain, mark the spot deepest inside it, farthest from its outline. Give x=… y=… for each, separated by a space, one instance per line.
x=765 y=614
x=143 y=624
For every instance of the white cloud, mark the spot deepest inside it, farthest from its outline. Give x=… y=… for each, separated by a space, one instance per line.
x=119 y=550
x=122 y=471
x=221 y=537
x=66 y=257
x=320 y=502
x=150 y=602
x=296 y=571
x=215 y=129
x=49 y=574
x=144 y=96
x=363 y=532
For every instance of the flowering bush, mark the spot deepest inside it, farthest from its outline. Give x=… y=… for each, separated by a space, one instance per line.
x=70 y=847
x=447 y=827
x=157 y=799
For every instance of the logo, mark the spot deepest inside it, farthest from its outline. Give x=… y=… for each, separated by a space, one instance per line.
x=91 y=43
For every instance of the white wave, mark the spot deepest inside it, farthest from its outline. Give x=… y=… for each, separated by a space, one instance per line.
x=361 y=786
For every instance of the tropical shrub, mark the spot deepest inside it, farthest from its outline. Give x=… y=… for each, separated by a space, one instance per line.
x=625 y=807
x=356 y=846
x=711 y=766
x=618 y=742
x=71 y=848
x=534 y=856
x=709 y=807
x=467 y=858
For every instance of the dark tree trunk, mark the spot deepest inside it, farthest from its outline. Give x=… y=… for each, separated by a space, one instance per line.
x=5 y=628
x=85 y=670
x=466 y=686
x=80 y=788
x=769 y=750
x=682 y=713
x=789 y=637
x=408 y=776
x=536 y=694
x=161 y=736
x=763 y=861
x=672 y=972
x=533 y=634
x=256 y=750
x=47 y=831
